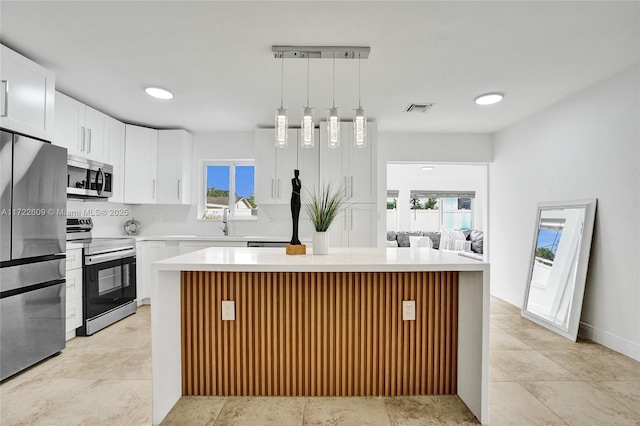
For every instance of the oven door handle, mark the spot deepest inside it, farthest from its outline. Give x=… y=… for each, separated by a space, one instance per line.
x=101 y=258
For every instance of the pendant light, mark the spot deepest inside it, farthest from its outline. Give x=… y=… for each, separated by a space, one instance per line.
x=282 y=122
x=360 y=120
x=307 y=118
x=333 y=120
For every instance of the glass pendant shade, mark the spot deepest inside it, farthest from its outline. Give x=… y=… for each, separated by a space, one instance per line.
x=333 y=128
x=360 y=129
x=307 y=128
x=282 y=127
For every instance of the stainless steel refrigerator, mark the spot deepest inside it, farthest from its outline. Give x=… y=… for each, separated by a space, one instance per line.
x=33 y=177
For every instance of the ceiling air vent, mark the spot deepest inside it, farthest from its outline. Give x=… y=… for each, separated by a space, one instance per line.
x=423 y=107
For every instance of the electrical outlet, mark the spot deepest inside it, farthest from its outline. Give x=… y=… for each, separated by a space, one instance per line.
x=408 y=310
x=156 y=218
x=228 y=310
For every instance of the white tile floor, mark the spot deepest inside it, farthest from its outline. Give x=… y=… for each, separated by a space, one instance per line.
x=536 y=378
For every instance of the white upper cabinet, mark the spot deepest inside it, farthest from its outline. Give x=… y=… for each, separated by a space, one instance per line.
x=80 y=128
x=114 y=141
x=274 y=167
x=158 y=166
x=347 y=166
x=140 y=166
x=27 y=93
x=175 y=150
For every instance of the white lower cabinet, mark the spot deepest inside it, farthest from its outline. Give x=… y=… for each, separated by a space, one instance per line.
x=73 y=297
x=147 y=252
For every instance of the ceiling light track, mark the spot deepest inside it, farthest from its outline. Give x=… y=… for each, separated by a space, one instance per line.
x=321 y=52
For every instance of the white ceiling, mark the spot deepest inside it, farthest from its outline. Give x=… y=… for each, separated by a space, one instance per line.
x=216 y=57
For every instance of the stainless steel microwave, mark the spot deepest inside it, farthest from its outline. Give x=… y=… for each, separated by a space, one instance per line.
x=88 y=179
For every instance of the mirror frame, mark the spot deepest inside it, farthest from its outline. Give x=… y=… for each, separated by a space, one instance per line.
x=584 y=250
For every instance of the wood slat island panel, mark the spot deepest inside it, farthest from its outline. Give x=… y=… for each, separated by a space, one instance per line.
x=319 y=333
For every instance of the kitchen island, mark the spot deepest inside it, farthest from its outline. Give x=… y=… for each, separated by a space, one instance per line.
x=320 y=325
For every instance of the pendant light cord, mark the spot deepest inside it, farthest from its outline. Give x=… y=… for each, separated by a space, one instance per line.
x=334 y=80
x=359 y=100
x=307 y=79
x=282 y=84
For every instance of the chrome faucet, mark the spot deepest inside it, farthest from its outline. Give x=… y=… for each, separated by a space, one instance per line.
x=225 y=214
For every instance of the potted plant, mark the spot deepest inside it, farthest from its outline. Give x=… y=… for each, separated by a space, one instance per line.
x=323 y=205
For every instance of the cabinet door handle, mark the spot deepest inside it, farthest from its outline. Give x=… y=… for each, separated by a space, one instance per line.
x=345 y=188
x=82 y=133
x=278 y=188
x=351 y=221
x=178 y=189
x=154 y=189
x=272 y=186
x=88 y=141
x=351 y=195
x=5 y=103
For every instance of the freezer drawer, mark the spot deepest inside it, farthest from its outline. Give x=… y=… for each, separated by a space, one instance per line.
x=32 y=328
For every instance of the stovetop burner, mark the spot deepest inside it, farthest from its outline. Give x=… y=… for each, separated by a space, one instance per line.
x=79 y=231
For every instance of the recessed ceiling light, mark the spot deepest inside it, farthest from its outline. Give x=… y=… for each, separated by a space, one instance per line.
x=159 y=93
x=426 y=168
x=489 y=98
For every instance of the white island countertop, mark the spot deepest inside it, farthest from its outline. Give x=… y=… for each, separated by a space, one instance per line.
x=472 y=311
x=338 y=260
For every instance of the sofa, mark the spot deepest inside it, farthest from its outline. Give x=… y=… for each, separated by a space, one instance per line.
x=446 y=239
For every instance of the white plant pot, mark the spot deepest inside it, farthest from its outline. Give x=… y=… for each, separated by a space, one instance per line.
x=320 y=242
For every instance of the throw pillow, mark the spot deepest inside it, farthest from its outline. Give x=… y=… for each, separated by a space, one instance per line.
x=420 y=242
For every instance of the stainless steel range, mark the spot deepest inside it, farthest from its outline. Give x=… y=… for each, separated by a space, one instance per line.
x=109 y=276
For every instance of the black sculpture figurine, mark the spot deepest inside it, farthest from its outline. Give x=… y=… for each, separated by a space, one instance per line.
x=295 y=206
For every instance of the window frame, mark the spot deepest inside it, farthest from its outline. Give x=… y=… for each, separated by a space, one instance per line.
x=202 y=198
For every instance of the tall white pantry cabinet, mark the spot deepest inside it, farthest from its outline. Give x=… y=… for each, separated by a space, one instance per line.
x=354 y=170
x=347 y=167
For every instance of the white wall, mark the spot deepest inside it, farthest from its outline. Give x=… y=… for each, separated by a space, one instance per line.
x=445 y=148
x=586 y=146
x=405 y=177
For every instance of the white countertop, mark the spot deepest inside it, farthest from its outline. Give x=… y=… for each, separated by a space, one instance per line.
x=338 y=260
x=205 y=238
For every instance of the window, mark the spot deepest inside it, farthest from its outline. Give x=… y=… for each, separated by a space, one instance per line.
x=456 y=213
x=222 y=178
x=433 y=211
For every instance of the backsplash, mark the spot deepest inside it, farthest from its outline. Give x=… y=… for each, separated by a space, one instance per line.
x=109 y=218
x=272 y=220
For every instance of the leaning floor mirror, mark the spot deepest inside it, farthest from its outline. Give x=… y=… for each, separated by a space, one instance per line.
x=558 y=269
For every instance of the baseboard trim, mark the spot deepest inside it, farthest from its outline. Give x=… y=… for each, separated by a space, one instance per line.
x=610 y=340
